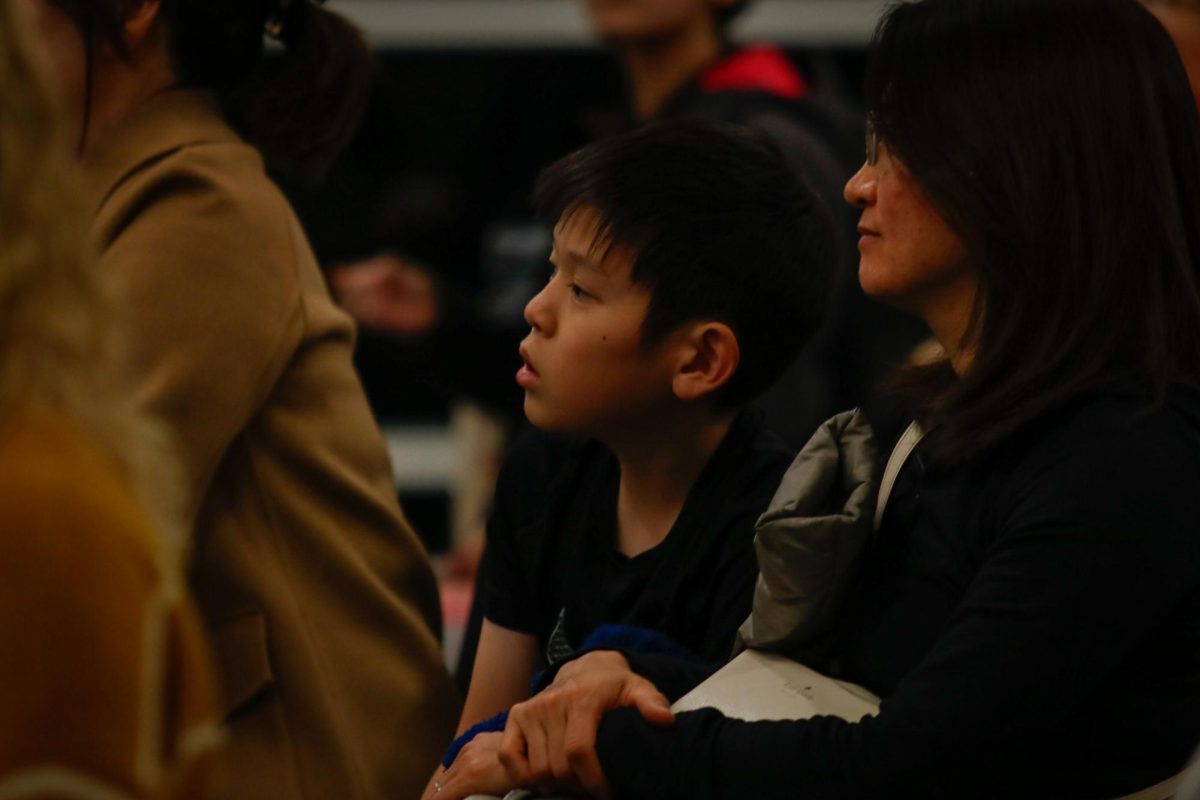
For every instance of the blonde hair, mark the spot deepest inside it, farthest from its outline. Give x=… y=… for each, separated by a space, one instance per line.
x=59 y=348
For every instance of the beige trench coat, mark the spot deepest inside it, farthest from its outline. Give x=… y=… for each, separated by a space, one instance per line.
x=318 y=597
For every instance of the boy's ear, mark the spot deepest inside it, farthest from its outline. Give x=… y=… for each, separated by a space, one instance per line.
x=711 y=356
x=141 y=17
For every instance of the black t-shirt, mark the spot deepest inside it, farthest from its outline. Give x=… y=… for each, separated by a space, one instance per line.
x=1032 y=623
x=552 y=562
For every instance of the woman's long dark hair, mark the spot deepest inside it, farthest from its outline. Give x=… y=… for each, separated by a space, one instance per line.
x=1060 y=139
x=299 y=109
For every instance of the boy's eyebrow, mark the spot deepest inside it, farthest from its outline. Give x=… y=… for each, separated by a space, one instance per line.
x=583 y=260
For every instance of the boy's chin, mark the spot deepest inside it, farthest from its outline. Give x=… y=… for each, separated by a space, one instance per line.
x=541 y=417
x=550 y=420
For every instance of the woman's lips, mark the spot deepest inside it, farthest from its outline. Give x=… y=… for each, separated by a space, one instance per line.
x=865 y=235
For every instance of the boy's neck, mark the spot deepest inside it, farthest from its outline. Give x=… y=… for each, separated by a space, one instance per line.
x=658 y=469
x=657 y=68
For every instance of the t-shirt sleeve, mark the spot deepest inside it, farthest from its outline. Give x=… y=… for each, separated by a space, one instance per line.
x=1095 y=549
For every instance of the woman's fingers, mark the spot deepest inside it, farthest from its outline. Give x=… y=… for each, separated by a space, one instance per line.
x=477 y=770
x=650 y=702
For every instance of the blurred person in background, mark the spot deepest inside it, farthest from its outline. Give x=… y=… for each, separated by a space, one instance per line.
x=106 y=681
x=319 y=598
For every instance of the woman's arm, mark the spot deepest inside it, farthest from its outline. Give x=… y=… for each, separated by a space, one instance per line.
x=1094 y=554
x=549 y=740
x=505 y=664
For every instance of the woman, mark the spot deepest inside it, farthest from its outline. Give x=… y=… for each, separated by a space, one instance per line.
x=106 y=687
x=1030 y=608
x=319 y=599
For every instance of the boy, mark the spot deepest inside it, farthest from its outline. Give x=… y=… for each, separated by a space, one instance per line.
x=689 y=265
x=679 y=63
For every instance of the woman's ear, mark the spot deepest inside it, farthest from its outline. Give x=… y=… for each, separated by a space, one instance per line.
x=141 y=20
x=711 y=356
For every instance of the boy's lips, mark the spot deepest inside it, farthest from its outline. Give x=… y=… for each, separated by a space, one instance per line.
x=527 y=376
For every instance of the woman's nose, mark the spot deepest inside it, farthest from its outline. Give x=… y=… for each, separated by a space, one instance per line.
x=860 y=189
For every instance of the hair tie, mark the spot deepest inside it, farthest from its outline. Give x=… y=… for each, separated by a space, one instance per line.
x=277 y=19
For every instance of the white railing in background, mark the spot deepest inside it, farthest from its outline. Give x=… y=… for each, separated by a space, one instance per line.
x=504 y=24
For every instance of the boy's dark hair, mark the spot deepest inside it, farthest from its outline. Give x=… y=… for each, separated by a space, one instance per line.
x=726 y=15
x=1060 y=139
x=721 y=228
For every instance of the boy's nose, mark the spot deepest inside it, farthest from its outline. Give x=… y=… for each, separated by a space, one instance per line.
x=537 y=312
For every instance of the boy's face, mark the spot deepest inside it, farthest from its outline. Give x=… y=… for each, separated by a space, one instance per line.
x=585 y=367
x=636 y=20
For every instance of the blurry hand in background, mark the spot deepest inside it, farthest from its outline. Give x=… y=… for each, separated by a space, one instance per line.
x=388 y=293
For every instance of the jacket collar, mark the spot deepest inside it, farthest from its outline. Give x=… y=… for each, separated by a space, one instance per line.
x=160 y=126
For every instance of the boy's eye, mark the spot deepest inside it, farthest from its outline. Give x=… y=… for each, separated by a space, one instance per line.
x=577 y=292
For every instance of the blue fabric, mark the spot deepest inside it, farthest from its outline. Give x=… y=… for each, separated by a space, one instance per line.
x=606 y=637
x=635 y=640
x=490 y=725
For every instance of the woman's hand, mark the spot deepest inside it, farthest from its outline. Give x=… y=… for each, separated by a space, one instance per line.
x=476 y=770
x=550 y=739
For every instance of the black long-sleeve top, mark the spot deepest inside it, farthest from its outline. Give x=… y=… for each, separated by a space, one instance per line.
x=1032 y=622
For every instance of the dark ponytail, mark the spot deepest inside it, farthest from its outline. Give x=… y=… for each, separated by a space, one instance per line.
x=300 y=107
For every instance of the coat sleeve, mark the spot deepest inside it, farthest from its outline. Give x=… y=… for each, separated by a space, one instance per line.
x=205 y=264
x=1041 y=629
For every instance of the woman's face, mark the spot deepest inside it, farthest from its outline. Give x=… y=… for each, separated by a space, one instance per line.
x=62 y=44
x=909 y=256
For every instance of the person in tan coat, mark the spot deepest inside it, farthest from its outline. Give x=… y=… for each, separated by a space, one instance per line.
x=107 y=686
x=318 y=596
x=1181 y=18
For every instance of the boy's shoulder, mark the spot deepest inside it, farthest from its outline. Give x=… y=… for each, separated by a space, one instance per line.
x=546 y=475
x=752 y=454
x=536 y=455
x=543 y=470
x=738 y=483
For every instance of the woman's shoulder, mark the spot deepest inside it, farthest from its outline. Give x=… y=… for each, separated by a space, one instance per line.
x=1122 y=424
x=87 y=609
x=176 y=163
x=1111 y=460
